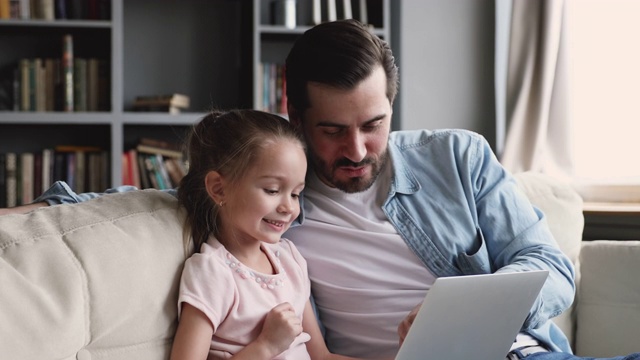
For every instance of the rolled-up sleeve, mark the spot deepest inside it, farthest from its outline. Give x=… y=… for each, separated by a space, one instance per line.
x=61 y=193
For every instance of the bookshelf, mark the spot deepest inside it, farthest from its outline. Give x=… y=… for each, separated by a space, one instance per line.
x=272 y=39
x=208 y=50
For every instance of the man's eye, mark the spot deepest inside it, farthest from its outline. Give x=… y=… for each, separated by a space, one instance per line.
x=372 y=126
x=332 y=131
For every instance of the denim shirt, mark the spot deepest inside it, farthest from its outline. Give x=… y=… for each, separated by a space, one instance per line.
x=462 y=213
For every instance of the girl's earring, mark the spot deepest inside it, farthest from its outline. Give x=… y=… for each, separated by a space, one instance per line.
x=221 y=204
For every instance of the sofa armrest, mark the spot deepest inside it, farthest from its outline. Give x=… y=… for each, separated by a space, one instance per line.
x=608 y=306
x=562 y=207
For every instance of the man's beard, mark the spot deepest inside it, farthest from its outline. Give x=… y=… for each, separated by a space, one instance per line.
x=352 y=185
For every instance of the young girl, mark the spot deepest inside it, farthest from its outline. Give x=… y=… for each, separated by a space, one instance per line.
x=245 y=293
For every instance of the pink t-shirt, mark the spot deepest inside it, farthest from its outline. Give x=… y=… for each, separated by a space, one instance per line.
x=236 y=299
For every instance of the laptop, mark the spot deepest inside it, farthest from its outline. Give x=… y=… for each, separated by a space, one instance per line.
x=472 y=317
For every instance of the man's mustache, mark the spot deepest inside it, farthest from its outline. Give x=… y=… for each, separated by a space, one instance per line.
x=347 y=162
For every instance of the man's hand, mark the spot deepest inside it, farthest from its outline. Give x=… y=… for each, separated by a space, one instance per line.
x=22 y=209
x=406 y=323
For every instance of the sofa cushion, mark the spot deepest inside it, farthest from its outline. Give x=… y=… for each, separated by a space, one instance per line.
x=97 y=279
x=609 y=299
x=562 y=207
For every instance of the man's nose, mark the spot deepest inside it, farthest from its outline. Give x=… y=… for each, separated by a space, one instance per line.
x=354 y=147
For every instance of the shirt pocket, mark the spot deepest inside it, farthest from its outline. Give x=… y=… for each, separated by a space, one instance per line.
x=476 y=260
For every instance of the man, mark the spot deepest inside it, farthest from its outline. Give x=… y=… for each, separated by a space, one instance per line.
x=384 y=214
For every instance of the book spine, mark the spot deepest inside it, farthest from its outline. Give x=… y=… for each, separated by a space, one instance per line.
x=67 y=71
x=45 y=9
x=37 y=175
x=3 y=179
x=5 y=13
x=26 y=162
x=47 y=169
x=25 y=9
x=33 y=79
x=331 y=10
x=11 y=179
x=24 y=85
x=60 y=9
x=80 y=84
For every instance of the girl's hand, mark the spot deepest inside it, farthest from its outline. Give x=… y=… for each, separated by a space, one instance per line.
x=406 y=323
x=281 y=326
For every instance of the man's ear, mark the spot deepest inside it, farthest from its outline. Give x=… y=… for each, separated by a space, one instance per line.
x=214 y=183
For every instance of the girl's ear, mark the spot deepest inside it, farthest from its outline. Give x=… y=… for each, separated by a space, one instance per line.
x=214 y=183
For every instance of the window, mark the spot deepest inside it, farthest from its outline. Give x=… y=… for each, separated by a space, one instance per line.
x=604 y=81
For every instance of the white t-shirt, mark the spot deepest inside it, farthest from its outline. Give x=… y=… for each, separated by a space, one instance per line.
x=236 y=298
x=365 y=278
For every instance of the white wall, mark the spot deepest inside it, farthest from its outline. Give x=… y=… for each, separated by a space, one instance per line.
x=445 y=52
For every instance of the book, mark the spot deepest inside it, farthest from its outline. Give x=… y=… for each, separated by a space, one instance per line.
x=157 y=143
x=11 y=167
x=142 y=169
x=5 y=12
x=74 y=148
x=174 y=170
x=179 y=101
x=25 y=9
x=24 y=65
x=80 y=174
x=26 y=164
x=93 y=85
x=39 y=84
x=150 y=172
x=14 y=9
x=126 y=172
x=331 y=10
x=364 y=17
x=132 y=156
x=59 y=166
x=159 y=147
x=7 y=87
x=70 y=176
x=60 y=9
x=159 y=166
x=79 y=84
x=50 y=71
x=316 y=12
x=47 y=169
x=96 y=174
x=347 y=13
x=37 y=174
x=44 y=9
x=67 y=71
x=3 y=178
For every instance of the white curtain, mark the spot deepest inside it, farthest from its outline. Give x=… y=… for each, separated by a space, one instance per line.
x=531 y=86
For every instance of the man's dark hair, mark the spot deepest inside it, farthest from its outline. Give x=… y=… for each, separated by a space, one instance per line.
x=339 y=54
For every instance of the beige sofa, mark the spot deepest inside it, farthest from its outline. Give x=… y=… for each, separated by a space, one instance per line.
x=98 y=280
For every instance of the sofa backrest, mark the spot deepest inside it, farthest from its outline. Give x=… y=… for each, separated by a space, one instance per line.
x=94 y=280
